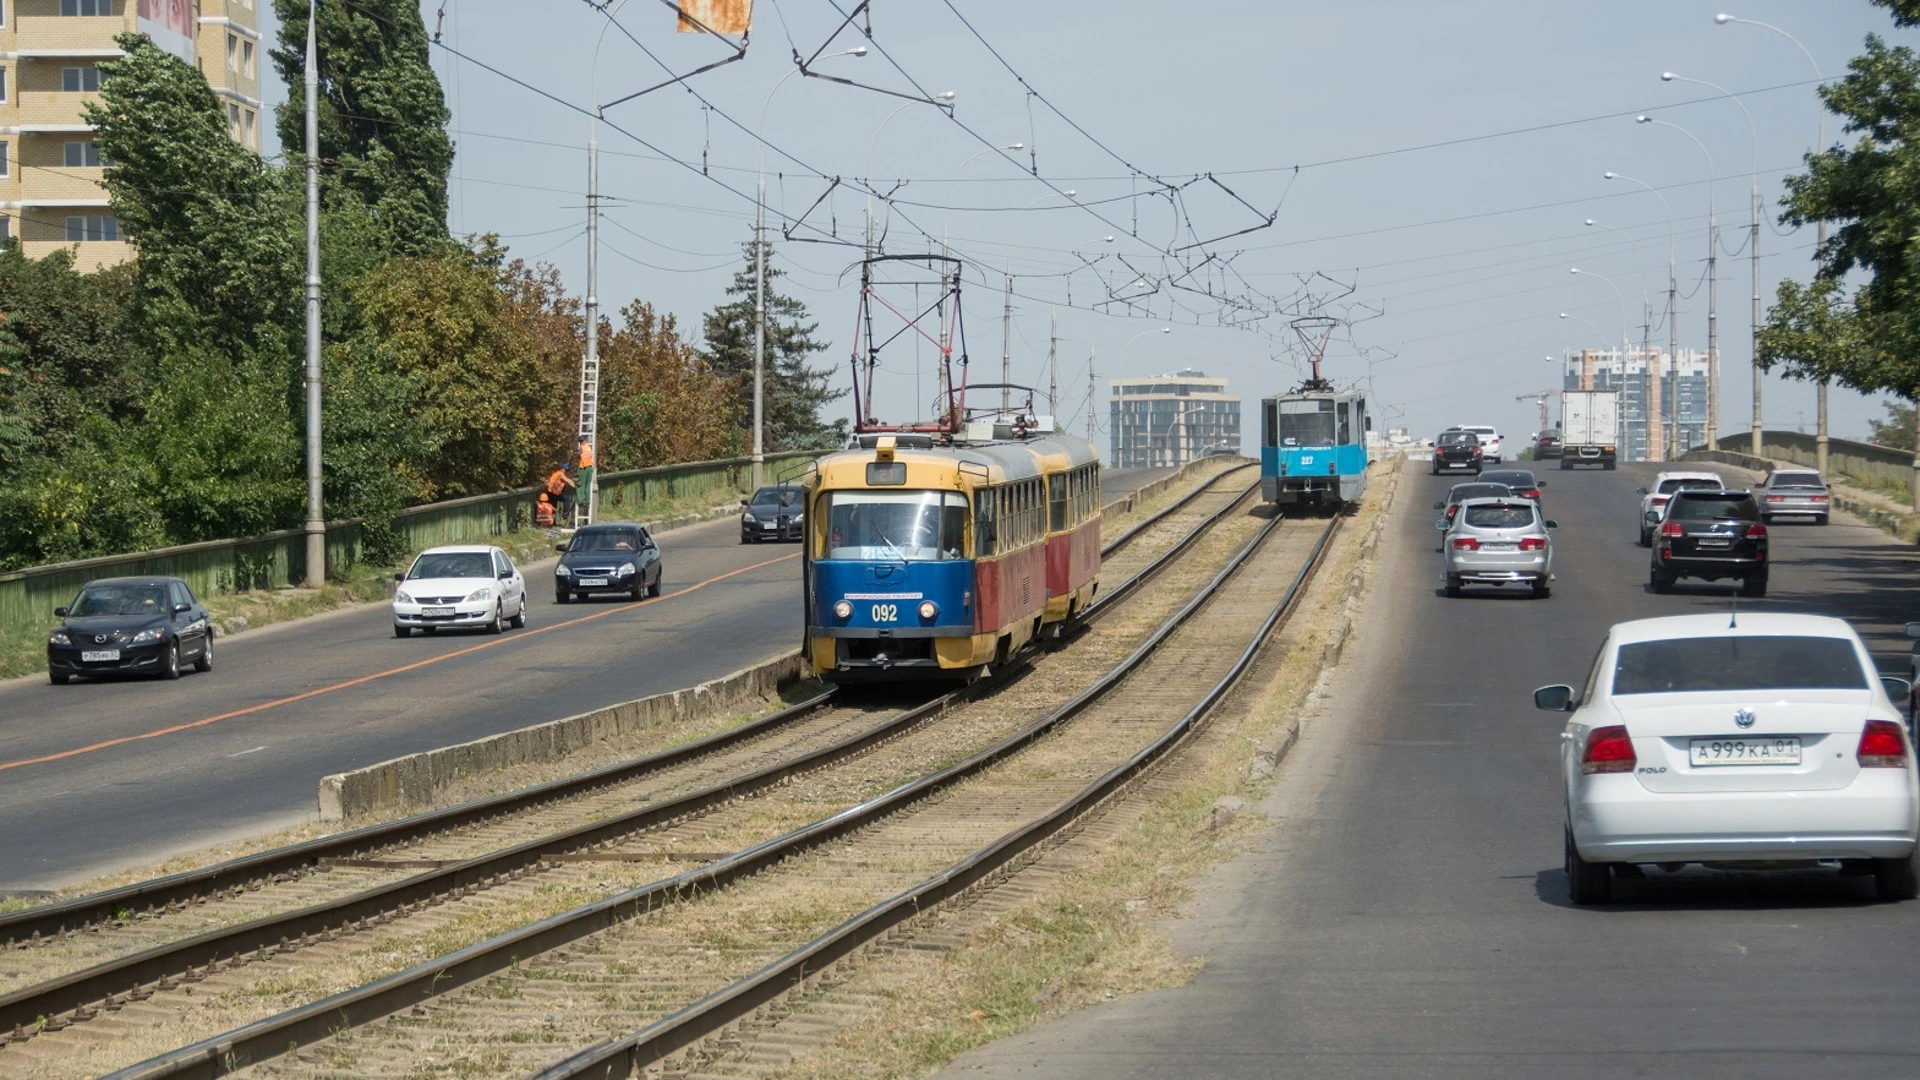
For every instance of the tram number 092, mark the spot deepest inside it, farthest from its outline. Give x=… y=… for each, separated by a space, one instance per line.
x=886 y=613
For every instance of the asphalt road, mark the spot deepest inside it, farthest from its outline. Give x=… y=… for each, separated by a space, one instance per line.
x=127 y=784
x=1407 y=915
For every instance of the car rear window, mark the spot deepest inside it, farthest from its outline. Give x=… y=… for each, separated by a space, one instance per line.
x=1739 y=507
x=1668 y=487
x=1509 y=478
x=1692 y=665
x=1459 y=438
x=1797 y=479
x=1500 y=516
x=1463 y=492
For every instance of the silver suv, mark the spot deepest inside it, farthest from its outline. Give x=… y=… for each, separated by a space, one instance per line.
x=1498 y=541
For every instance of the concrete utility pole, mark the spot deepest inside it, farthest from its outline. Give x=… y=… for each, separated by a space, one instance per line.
x=1713 y=332
x=1006 y=348
x=1053 y=367
x=316 y=514
x=1090 y=392
x=760 y=333
x=1673 y=357
x=590 y=360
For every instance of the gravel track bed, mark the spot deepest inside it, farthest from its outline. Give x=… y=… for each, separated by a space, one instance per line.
x=517 y=1022
x=177 y=1014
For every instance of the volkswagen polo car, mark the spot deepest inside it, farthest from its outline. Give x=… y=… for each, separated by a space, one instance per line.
x=1741 y=741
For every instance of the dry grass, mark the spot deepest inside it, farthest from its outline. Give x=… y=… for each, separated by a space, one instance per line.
x=1093 y=935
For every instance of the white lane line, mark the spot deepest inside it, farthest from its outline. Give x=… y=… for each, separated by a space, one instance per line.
x=244 y=753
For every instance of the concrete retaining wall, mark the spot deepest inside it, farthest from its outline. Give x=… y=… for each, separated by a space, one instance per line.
x=418 y=781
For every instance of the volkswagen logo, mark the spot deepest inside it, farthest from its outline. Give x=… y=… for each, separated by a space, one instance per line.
x=1744 y=717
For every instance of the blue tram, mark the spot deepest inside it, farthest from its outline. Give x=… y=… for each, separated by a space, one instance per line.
x=1313 y=446
x=932 y=557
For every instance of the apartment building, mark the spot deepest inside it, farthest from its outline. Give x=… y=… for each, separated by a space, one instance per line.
x=1171 y=419
x=50 y=191
x=1682 y=397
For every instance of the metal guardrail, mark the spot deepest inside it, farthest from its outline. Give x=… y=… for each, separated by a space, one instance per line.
x=272 y=560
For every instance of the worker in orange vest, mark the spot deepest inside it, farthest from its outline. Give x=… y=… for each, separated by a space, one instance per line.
x=557 y=485
x=543 y=512
x=586 y=473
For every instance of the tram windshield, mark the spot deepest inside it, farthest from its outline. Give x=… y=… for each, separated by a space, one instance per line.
x=1305 y=423
x=915 y=526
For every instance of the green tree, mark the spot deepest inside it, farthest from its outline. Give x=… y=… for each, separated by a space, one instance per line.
x=1896 y=430
x=794 y=391
x=1869 y=340
x=382 y=115
x=660 y=404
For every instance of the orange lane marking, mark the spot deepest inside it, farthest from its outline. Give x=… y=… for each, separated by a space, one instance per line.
x=265 y=705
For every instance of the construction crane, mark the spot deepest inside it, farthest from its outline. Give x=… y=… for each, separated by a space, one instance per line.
x=1540 y=399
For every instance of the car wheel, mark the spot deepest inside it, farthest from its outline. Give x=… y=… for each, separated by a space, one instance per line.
x=520 y=617
x=1754 y=586
x=170 y=663
x=1454 y=585
x=1820 y=519
x=1587 y=883
x=1662 y=583
x=1645 y=540
x=499 y=623
x=402 y=631
x=204 y=662
x=1565 y=465
x=659 y=585
x=1898 y=879
x=639 y=590
x=1542 y=590
x=57 y=679
x=561 y=596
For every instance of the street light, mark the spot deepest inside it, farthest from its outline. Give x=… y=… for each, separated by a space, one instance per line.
x=1819 y=225
x=760 y=281
x=1753 y=240
x=1670 y=394
x=1122 y=364
x=1710 y=433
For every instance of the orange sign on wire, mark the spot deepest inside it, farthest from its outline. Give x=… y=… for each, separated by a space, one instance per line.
x=718 y=16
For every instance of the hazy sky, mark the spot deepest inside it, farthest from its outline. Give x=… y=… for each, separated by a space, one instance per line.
x=1361 y=120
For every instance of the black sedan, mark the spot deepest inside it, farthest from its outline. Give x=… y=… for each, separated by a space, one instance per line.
x=774 y=513
x=131 y=626
x=1456 y=450
x=616 y=557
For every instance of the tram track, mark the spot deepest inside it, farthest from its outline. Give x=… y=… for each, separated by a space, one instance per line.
x=702 y=948
x=379 y=877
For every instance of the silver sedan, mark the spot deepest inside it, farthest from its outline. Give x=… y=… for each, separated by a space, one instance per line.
x=1498 y=541
x=1796 y=492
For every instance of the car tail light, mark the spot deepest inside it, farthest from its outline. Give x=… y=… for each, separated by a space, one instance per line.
x=1529 y=493
x=1609 y=749
x=1671 y=528
x=1756 y=532
x=1452 y=509
x=1881 y=746
x=1819 y=498
x=1533 y=543
x=1776 y=498
x=1661 y=500
x=1465 y=543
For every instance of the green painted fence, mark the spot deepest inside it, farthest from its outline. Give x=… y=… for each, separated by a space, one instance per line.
x=277 y=559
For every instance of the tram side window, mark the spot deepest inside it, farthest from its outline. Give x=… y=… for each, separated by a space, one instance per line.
x=1271 y=426
x=1346 y=428
x=1059 y=486
x=983 y=530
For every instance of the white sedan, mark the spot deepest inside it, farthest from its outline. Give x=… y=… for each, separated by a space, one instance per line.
x=466 y=586
x=1747 y=741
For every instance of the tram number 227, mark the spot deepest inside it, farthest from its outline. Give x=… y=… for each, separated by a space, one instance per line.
x=886 y=613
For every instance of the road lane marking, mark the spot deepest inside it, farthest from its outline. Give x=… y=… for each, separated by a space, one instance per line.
x=244 y=753
x=520 y=635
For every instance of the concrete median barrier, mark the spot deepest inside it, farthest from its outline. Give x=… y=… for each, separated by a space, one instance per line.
x=419 y=781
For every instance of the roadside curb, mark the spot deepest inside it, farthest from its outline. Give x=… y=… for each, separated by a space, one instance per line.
x=417 y=781
x=1357 y=578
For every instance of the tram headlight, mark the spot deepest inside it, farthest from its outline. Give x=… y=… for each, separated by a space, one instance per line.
x=928 y=609
x=843 y=610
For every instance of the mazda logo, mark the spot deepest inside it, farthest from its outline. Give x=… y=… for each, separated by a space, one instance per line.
x=99 y=639
x=1744 y=717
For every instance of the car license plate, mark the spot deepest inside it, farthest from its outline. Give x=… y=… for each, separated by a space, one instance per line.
x=591 y=581
x=100 y=656
x=1762 y=750
x=1716 y=541
x=1496 y=547
x=436 y=611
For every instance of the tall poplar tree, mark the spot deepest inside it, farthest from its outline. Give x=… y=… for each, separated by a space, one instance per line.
x=382 y=115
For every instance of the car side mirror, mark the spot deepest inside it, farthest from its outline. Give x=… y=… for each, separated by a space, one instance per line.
x=1552 y=524
x=506 y=575
x=1553 y=698
x=400 y=577
x=182 y=609
x=743 y=502
x=1897 y=689
x=1639 y=491
x=1439 y=506
x=61 y=613
x=1540 y=483
x=561 y=548
x=1913 y=629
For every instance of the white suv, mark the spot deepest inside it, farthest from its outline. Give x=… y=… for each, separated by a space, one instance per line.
x=1653 y=500
x=1489 y=441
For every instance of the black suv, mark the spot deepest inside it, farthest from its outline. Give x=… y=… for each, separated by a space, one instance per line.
x=1711 y=535
x=1456 y=450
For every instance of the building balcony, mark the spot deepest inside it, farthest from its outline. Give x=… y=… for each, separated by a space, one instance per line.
x=59 y=185
x=64 y=36
x=44 y=111
x=87 y=257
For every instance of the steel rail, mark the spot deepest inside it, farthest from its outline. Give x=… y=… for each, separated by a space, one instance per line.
x=631 y=1055
x=269 y=1037
x=48 y=920
x=77 y=995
